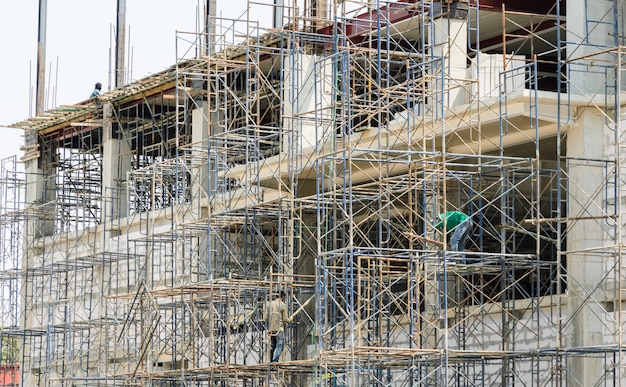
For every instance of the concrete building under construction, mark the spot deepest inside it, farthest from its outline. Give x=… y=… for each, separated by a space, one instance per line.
x=149 y=227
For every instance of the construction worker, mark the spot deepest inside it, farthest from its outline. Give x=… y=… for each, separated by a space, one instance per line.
x=275 y=315
x=458 y=226
x=96 y=90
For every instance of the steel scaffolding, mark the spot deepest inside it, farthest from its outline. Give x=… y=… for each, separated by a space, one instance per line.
x=148 y=228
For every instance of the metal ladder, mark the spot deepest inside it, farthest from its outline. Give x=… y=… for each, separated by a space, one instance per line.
x=427 y=27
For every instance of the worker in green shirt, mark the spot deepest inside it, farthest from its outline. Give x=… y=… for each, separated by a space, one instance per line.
x=458 y=226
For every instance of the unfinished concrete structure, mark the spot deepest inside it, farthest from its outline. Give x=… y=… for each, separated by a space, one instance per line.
x=149 y=228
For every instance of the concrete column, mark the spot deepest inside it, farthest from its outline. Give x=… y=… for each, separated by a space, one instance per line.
x=200 y=166
x=120 y=44
x=450 y=43
x=40 y=196
x=319 y=13
x=203 y=182
x=115 y=166
x=205 y=122
x=41 y=190
x=585 y=269
x=301 y=104
x=41 y=57
x=590 y=29
x=41 y=210
x=277 y=16
x=211 y=11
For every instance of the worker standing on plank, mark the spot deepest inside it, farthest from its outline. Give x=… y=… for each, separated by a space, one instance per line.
x=458 y=226
x=275 y=315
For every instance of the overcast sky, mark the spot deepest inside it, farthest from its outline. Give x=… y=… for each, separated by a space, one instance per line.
x=78 y=45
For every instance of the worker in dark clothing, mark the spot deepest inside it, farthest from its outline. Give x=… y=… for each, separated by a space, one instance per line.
x=96 y=90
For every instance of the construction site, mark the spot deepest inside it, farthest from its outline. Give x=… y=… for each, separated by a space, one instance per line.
x=144 y=231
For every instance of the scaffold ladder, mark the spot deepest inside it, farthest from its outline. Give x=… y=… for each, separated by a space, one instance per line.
x=220 y=103
x=473 y=13
x=428 y=27
x=181 y=102
x=293 y=73
x=592 y=23
x=531 y=81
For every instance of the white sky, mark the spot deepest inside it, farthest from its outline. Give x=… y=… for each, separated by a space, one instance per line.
x=79 y=38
